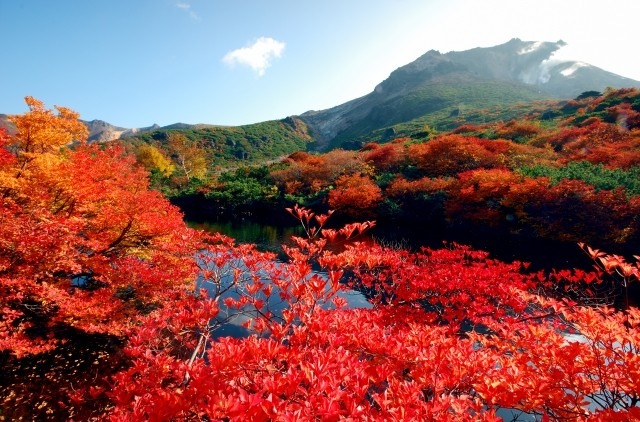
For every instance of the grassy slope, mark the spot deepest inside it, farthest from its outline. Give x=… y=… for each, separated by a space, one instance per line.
x=440 y=105
x=250 y=143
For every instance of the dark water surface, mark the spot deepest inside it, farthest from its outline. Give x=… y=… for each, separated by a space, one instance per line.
x=541 y=254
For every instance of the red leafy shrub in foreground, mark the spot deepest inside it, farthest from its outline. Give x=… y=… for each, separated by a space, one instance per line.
x=452 y=334
x=447 y=334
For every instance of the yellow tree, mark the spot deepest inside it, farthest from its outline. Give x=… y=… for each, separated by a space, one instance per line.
x=41 y=133
x=189 y=156
x=152 y=158
x=41 y=130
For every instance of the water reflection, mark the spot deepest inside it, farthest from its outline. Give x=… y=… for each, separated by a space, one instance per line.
x=266 y=237
x=232 y=278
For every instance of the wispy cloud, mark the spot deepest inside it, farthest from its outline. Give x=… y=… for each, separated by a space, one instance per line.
x=186 y=7
x=258 y=56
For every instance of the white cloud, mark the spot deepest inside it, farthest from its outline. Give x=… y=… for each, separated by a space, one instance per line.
x=187 y=8
x=257 y=56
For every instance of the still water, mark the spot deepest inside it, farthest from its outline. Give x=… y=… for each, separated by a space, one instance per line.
x=266 y=238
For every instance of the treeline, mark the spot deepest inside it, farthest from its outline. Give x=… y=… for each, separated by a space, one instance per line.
x=569 y=173
x=180 y=160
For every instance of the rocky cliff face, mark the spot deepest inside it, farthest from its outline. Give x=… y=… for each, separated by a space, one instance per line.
x=533 y=63
x=101 y=131
x=6 y=124
x=519 y=69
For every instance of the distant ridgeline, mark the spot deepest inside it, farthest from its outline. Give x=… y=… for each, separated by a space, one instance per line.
x=182 y=158
x=443 y=91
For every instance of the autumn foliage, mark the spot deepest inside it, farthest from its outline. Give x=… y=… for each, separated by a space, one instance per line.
x=355 y=194
x=90 y=257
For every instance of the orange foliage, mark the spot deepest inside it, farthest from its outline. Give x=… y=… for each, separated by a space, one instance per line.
x=355 y=194
x=308 y=173
x=518 y=130
x=477 y=195
x=400 y=186
x=449 y=155
x=622 y=154
x=388 y=157
x=597 y=142
x=570 y=139
x=466 y=128
x=452 y=154
x=41 y=130
x=624 y=116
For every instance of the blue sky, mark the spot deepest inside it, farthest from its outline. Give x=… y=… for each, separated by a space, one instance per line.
x=133 y=63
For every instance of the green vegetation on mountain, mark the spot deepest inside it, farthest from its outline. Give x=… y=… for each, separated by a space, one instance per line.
x=564 y=171
x=182 y=159
x=442 y=106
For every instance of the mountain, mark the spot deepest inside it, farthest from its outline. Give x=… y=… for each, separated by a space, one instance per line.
x=6 y=124
x=101 y=131
x=439 y=91
x=445 y=85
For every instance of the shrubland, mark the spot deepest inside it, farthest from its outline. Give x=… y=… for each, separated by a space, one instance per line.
x=566 y=173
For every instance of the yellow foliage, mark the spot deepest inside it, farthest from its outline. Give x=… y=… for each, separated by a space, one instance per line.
x=189 y=156
x=151 y=158
x=41 y=130
x=40 y=137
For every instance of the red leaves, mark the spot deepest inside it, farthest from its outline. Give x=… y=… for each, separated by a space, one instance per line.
x=451 y=334
x=84 y=244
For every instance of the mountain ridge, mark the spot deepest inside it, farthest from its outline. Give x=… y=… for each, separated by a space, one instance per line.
x=435 y=84
x=516 y=70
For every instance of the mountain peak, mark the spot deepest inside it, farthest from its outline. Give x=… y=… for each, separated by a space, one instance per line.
x=434 y=83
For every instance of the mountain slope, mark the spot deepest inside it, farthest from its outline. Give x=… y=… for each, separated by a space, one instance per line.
x=441 y=84
x=264 y=141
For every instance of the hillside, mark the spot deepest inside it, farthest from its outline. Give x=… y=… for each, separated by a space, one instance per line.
x=259 y=141
x=549 y=175
x=439 y=86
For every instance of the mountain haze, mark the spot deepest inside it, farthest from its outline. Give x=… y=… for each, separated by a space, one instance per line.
x=445 y=84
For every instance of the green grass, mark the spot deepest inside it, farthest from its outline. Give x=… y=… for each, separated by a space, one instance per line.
x=442 y=106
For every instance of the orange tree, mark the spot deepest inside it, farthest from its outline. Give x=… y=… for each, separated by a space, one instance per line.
x=85 y=249
x=355 y=194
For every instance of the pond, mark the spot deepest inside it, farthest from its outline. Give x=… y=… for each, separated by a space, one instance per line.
x=267 y=238
x=270 y=237
x=541 y=254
